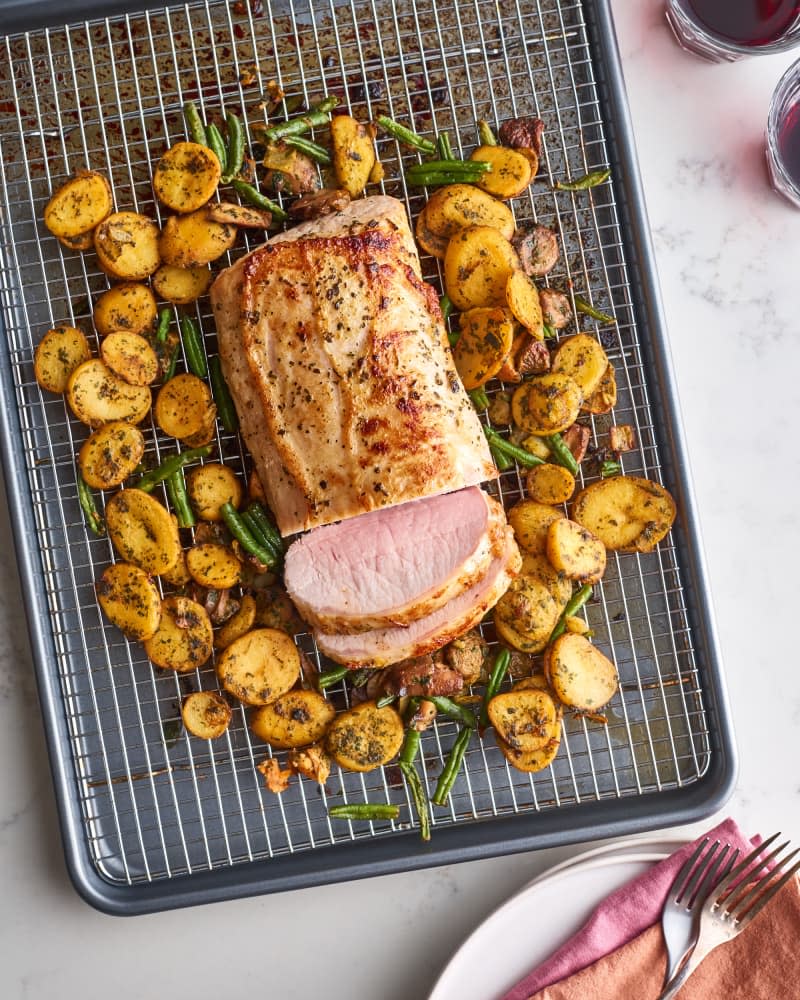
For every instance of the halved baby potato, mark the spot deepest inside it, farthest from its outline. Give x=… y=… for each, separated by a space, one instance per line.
x=130 y=356
x=522 y=298
x=177 y=575
x=546 y=404
x=353 y=153
x=206 y=714
x=181 y=285
x=580 y=675
x=212 y=565
x=526 y=614
x=531 y=521
x=525 y=719
x=194 y=239
x=550 y=484
x=186 y=176
x=430 y=241
x=604 y=396
x=210 y=486
x=583 y=359
x=531 y=761
x=79 y=205
x=486 y=338
x=110 y=455
x=627 y=513
x=130 y=600
x=511 y=171
x=296 y=719
x=458 y=206
x=184 y=638
x=184 y=407
x=540 y=568
x=129 y=306
x=365 y=736
x=238 y=625
x=574 y=551
x=80 y=243
x=97 y=396
x=260 y=666
x=477 y=266
x=126 y=244
x=143 y=531
x=59 y=352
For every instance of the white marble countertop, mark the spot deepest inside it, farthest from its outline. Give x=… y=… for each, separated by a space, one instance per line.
x=726 y=250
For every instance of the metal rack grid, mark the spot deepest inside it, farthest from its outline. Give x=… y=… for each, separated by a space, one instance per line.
x=107 y=95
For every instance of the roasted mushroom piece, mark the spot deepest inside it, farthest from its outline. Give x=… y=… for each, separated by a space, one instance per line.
x=537 y=249
x=556 y=308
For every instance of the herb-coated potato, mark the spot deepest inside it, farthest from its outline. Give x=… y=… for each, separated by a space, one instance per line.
x=186 y=176
x=79 y=205
x=353 y=153
x=365 y=737
x=260 y=666
x=58 y=354
x=579 y=674
x=485 y=340
x=130 y=600
x=80 y=243
x=511 y=171
x=243 y=216
x=526 y=614
x=477 y=266
x=210 y=486
x=536 y=682
x=430 y=241
x=530 y=521
x=550 y=484
x=110 y=455
x=142 y=531
x=181 y=285
x=97 y=396
x=604 y=396
x=177 y=575
x=574 y=551
x=214 y=566
x=129 y=306
x=458 y=206
x=547 y=404
x=582 y=358
x=206 y=714
x=522 y=299
x=184 y=407
x=126 y=244
x=530 y=761
x=296 y=719
x=184 y=638
x=626 y=513
x=194 y=239
x=540 y=568
x=525 y=719
x=238 y=625
x=130 y=357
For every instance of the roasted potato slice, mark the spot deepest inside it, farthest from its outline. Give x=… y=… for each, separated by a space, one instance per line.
x=540 y=568
x=459 y=206
x=511 y=171
x=178 y=575
x=582 y=358
x=214 y=566
x=260 y=666
x=486 y=338
x=142 y=531
x=353 y=153
x=626 y=513
x=579 y=674
x=59 y=352
x=130 y=306
x=531 y=521
x=288 y=170
x=242 y=216
x=296 y=719
x=210 y=486
x=522 y=299
x=184 y=407
x=194 y=239
x=80 y=243
x=126 y=244
x=574 y=551
x=530 y=761
x=97 y=396
x=430 y=241
x=239 y=625
x=79 y=205
x=550 y=484
x=546 y=404
x=130 y=356
x=186 y=176
x=206 y=714
x=604 y=396
x=526 y=614
x=182 y=285
x=525 y=719
x=477 y=265
x=130 y=600
x=110 y=455
x=184 y=638
x=365 y=737
x=536 y=682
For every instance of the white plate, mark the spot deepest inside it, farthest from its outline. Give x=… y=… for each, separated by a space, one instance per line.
x=529 y=927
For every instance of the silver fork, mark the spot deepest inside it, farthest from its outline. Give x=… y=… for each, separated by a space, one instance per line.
x=733 y=904
x=687 y=895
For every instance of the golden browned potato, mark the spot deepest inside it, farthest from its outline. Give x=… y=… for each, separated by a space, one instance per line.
x=511 y=171
x=583 y=359
x=525 y=719
x=296 y=719
x=210 y=486
x=540 y=568
x=433 y=244
x=186 y=176
x=110 y=455
x=579 y=674
x=550 y=484
x=182 y=285
x=130 y=356
x=485 y=340
x=477 y=266
x=288 y=170
x=212 y=565
x=547 y=404
x=184 y=408
x=126 y=244
x=58 y=354
x=194 y=239
x=97 y=396
x=130 y=600
x=526 y=614
x=142 y=531
x=574 y=551
x=458 y=206
x=531 y=521
x=79 y=205
x=206 y=714
x=129 y=306
x=184 y=638
x=353 y=153
x=535 y=682
x=365 y=737
x=238 y=625
x=522 y=299
x=178 y=575
x=626 y=513
x=604 y=396
x=260 y=666
x=531 y=761
x=243 y=216
x=80 y=243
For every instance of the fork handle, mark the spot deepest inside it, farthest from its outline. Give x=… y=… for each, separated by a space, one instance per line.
x=699 y=952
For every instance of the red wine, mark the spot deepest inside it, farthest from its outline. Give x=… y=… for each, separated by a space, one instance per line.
x=789 y=143
x=746 y=22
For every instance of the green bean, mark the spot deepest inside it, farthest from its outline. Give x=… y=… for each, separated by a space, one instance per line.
x=501 y=460
x=234 y=154
x=406 y=136
x=330 y=677
x=446 y=305
x=266 y=525
x=561 y=453
x=216 y=143
x=93 y=516
x=443 y=147
x=163 y=326
x=485 y=134
x=259 y=200
x=548 y=332
x=385 y=700
x=452 y=709
x=197 y=131
x=479 y=398
x=169 y=466
x=453 y=337
x=574 y=605
x=439 y=178
x=410 y=748
x=364 y=810
x=589 y=310
x=418 y=798
x=176 y=491
x=226 y=411
x=525 y=458
x=173 y=364
x=313 y=150
x=451 y=768
x=477 y=167
x=193 y=347
x=498 y=672
x=589 y=180
x=318 y=115
x=254 y=531
x=360 y=677
x=238 y=528
x=609 y=469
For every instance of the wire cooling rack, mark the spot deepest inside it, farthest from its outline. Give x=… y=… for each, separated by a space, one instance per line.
x=152 y=804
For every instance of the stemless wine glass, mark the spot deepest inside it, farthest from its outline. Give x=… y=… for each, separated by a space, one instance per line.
x=783 y=136
x=727 y=30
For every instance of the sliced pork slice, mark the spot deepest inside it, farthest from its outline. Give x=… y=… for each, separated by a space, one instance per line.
x=385 y=646
x=395 y=565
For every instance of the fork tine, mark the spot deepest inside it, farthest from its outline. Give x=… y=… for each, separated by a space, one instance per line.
x=745 y=915
x=700 y=871
x=743 y=865
x=707 y=885
x=686 y=869
x=757 y=875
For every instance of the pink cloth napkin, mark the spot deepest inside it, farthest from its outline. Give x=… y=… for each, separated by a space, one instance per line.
x=621 y=917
